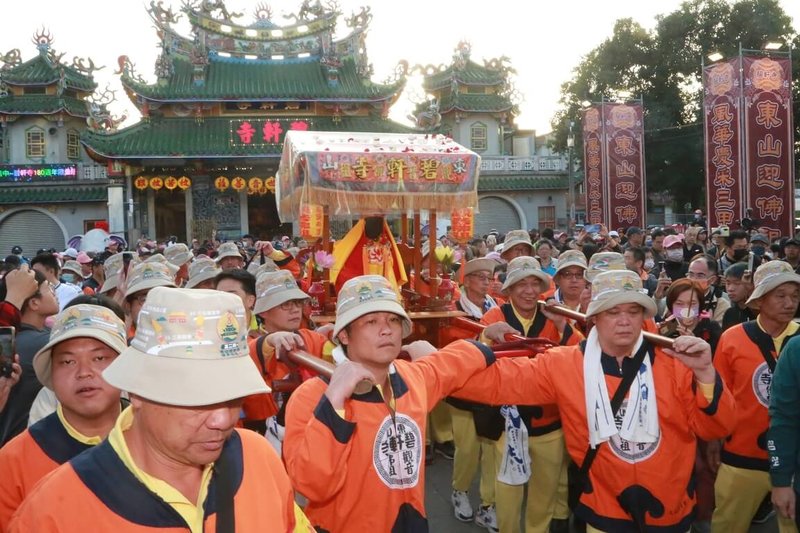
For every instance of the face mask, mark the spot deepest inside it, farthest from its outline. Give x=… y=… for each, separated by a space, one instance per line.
x=649 y=264
x=738 y=255
x=686 y=313
x=675 y=256
x=68 y=278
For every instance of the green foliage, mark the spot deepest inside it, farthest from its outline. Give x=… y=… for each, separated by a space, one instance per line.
x=663 y=67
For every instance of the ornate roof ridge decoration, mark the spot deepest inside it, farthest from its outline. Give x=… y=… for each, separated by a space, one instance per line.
x=100 y=119
x=47 y=68
x=463 y=70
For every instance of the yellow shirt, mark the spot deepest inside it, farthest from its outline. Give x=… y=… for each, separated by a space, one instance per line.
x=192 y=513
x=526 y=324
x=74 y=433
x=791 y=328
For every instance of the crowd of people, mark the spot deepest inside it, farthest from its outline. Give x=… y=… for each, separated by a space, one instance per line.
x=149 y=387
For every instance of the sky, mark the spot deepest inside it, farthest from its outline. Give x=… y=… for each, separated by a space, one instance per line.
x=545 y=40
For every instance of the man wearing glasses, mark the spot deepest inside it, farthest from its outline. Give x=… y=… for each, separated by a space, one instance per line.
x=475 y=299
x=703 y=270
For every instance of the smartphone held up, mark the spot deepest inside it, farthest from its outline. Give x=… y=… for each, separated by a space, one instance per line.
x=7 y=351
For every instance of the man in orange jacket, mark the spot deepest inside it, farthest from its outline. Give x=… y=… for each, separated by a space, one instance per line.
x=174 y=461
x=83 y=341
x=746 y=356
x=641 y=475
x=357 y=455
x=525 y=282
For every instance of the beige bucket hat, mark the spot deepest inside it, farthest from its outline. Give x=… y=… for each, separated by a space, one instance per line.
x=603 y=262
x=362 y=295
x=228 y=249
x=275 y=288
x=515 y=237
x=770 y=276
x=82 y=320
x=202 y=270
x=113 y=268
x=257 y=269
x=159 y=258
x=480 y=264
x=523 y=267
x=178 y=254
x=616 y=287
x=571 y=258
x=73 y=266
x=148 y=275
x=190 y=350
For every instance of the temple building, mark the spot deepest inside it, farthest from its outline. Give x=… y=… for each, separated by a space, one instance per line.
x=50 y=189
x=523 y=183
x=204 y=155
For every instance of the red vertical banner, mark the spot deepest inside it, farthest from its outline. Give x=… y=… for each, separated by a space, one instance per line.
x=594 y=167
x=769 y=141
x=624 y=138
x=722 y=131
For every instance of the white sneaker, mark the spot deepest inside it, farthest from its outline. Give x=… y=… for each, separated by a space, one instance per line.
x=461 y=506
x=487 y=517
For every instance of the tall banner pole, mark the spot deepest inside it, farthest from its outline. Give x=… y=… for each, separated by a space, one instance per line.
x=722 y=136
x=625 y=163
x=594 y=165
x=769 y=135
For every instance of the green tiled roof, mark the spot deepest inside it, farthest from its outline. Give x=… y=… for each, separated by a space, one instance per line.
x=42 y=104
x=471 y=74
x=25 y=194
x=184 y=137
x=521 y=183
x=475 y=102
x=39 y=71
x=242 y=79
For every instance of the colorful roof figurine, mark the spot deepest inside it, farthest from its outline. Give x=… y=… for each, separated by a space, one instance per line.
x=225 y=61
x=44 y=85
x=364 y=173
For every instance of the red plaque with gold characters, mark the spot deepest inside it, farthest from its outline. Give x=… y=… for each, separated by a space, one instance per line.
x=624 y=157
x=769 y=142
x=462 y=222
x=310 y=221
x=141 y=183
x=594 y=165
x=222 y=183
x=723 y=161
x=171 y=183
x=156 y=183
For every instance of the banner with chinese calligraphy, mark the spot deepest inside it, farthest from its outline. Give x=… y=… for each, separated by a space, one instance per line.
x=723 y=162
x=369 y=173
x=624 y=156
x=769 y=138
x=263 y=133
x=594 y=167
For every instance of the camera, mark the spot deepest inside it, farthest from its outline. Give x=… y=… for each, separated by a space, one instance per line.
x=724 y=231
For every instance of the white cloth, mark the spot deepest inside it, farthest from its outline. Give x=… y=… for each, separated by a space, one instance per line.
x=65 y=292
x=43 y=405
x=274 y=434
x=640 y=423
x=473 y=310
x=515 y=468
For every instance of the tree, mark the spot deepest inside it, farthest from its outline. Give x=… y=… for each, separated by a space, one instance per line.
x=663 y=67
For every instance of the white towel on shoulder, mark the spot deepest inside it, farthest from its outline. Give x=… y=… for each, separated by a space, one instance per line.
x=640 y=423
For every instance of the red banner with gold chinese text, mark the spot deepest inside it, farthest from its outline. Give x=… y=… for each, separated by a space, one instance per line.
x=722 y=131
x=769 y=138
x=594 y=165
x=624 y=136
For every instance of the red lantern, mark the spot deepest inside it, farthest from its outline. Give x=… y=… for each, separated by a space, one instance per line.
x=156 y=183
x=141 y=183
x=238 y=184
x=184 y=182
x=171 y=183
x=462 y=222
x=222 y=183
x=269 y=184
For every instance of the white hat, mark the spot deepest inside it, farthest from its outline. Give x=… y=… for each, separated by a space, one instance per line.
x=178 y=254
x=112 y=267
x=571 y=258
x=515 y=237
x=770 y=276
x=148 y=275
x=480 y=264
x=73 y=266
x=72 y=253
x=228 y=249
x=82 y=320
x=523 y=267
x=201 y=270
x=603 y=262
x=257 y=269
x=615 y=287
x=275 y=288
x=190 y=349
x=362 y=295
